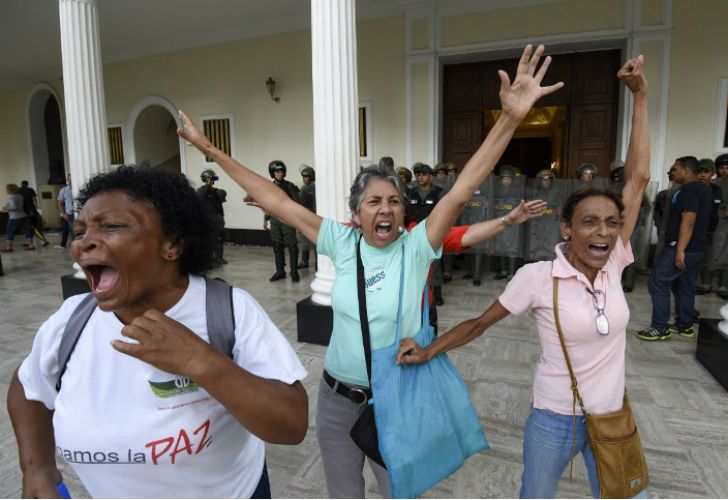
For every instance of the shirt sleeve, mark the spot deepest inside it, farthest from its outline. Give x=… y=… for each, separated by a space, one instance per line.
x=422 y=244
x=453 y=240
x=520 y=293
x=38 y=372
x=260 y=347
x=332 y=236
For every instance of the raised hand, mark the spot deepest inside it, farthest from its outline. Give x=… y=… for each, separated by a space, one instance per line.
x=527 y=210
x=189 y=132
x=633 y=76
x=518 y=97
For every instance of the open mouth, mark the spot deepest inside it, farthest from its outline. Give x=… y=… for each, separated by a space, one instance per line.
x=598 y=249
x=103 y=278
x=383 y=229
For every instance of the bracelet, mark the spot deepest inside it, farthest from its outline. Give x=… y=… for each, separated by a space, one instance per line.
x=504 y=221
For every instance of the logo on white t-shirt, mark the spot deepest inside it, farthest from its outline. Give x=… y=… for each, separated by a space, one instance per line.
x=373 y=280
x=175 y=387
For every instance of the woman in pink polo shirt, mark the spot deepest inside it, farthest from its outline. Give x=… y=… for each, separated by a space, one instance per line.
x=596 y=225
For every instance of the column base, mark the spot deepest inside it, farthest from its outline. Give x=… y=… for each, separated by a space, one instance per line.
x=712 y=350
x=315 y=322
x=71 y=285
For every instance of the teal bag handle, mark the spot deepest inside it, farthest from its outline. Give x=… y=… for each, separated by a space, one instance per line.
x=399 y=306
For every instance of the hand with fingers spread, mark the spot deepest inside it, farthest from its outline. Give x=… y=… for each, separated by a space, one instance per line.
x=633 y=75
x=411 y=353
x=527 y=210
x=166 y=344
x=518 y=97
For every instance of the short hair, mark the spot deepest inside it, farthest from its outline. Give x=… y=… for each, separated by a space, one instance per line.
x=581 y=194
x=689 y=162
x=24 y=183
x=387 y=162
x=185 y=218
x=362 y=180
x=11 y=188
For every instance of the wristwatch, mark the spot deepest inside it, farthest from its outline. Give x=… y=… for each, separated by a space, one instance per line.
x=504 y=221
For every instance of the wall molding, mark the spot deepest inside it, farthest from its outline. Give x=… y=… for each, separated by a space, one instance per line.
x=720 y=119
x=39 y=88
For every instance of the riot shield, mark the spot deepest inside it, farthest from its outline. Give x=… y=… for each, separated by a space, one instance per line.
x=446 y=184
x=642 y=234
x=544 y=233
x=507 y=194
x=719 y=252
x=478 y=210
x=663 y=201
x=597 y=182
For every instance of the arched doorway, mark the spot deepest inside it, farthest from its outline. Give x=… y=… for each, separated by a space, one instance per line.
x=45 y=125
x=153 y=125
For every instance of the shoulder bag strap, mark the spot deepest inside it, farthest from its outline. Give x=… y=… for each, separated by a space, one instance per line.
x=220 y=315
x=363 y=317
x=75 y=325
x=574 y=387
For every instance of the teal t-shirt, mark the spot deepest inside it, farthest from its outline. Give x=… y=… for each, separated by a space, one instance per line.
x=345 y=355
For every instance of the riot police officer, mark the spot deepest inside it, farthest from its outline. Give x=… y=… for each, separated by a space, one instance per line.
x=281 y=234
x=720 y=240
x=706 y=170
x=308 y=200
x=214 y=198
x=422 y=198
x=586 y=172
x=507 y=196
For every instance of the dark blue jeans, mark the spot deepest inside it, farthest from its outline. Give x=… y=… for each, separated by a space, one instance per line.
x=263 y=488
x=667 y=277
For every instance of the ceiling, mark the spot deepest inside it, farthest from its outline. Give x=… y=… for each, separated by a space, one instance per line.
x=30 y=49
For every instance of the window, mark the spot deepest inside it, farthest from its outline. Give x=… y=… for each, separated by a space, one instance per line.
x=365 y=131
x=219 y=130
x=116 y=145
x=721 y=125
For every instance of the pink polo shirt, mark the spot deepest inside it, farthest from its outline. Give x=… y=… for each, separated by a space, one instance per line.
x=598 y=360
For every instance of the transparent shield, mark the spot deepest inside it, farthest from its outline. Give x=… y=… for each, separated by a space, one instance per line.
x=477 y=210
x=719 y=251
x=543 y=233
x=642 y=234
x=507 y=194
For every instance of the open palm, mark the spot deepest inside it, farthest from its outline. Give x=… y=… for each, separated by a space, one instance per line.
x=518 y=97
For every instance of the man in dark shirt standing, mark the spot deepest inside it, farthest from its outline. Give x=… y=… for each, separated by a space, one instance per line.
x=686 y=241
x=214 y=198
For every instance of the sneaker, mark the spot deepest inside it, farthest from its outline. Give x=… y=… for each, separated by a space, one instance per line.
x=722 y=292
x=654 y=334
x=702 y=290
x=59 y=247
x=688 y=333
x=500 y=275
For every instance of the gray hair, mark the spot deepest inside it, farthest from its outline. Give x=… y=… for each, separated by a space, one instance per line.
x=362 y=180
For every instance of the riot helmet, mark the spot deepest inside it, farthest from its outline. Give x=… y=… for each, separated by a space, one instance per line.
x=404 y=175
x=307 y=171
x=616 y=170
x=276 y=165
x=208 y=174
x=586 y=168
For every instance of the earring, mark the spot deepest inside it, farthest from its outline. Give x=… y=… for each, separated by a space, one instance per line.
x=567 y=237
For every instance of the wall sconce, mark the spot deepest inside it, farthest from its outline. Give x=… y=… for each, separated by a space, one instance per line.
x=271 y=84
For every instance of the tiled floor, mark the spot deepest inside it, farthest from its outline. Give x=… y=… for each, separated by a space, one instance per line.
x=681 y=410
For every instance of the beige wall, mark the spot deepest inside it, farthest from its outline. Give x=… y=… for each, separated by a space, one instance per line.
x=14 y=147
x=698 y=61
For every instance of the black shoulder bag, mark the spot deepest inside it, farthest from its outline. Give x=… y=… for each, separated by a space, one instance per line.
x=364 y=431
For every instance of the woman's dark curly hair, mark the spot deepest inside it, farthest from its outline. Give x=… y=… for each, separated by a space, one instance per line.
x=185 y=218
x=567 y=213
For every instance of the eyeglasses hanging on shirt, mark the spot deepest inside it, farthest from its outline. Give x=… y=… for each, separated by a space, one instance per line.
x=600 y=297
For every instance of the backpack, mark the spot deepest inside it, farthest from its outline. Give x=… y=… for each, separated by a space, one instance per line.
x=220 y=322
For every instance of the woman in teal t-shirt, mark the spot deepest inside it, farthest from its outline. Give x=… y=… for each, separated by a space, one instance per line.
x=378 y=215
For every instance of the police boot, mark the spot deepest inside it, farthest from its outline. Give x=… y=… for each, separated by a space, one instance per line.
x=293 y=254
x=304 y=259
x=280 y=263
x=437 y=292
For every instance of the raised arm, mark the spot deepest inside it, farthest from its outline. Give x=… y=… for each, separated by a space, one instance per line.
x=517 y=98
x=637 y=164
x=410 y=351
x=483 y=231
x=272 y=199
x=33 y=426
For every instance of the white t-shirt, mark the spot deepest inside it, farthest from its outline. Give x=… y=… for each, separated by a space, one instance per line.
x=131 y=430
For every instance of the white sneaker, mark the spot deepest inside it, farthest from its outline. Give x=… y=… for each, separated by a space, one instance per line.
x=59 y=247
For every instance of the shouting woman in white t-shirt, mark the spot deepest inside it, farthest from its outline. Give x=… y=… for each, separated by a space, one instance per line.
x=147 y=408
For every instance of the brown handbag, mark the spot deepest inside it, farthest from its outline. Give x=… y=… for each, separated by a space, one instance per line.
x=613 y=437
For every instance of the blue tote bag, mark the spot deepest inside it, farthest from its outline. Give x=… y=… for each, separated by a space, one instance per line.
x=425 y=419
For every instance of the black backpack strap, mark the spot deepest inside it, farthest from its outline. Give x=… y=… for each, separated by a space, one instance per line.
x=220 y=315
x=75 y=325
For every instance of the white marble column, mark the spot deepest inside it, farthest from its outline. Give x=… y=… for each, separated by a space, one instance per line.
x=335 y=124
x=83 y=90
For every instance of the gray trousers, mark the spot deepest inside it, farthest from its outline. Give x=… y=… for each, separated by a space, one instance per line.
x=343 y=460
